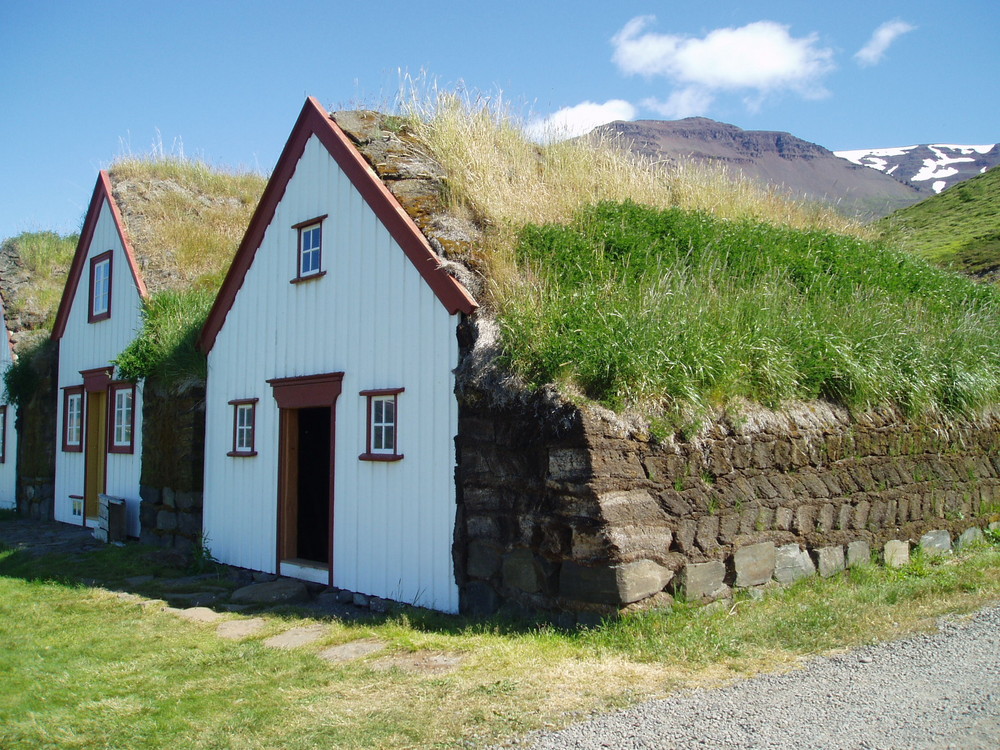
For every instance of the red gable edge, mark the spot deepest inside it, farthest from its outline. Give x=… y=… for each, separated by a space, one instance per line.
x=102 y=192
x=314 y=120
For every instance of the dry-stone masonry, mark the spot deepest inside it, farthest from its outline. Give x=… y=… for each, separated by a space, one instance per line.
x=566 y=509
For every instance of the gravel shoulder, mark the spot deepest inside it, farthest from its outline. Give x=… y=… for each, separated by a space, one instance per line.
x=937 y=690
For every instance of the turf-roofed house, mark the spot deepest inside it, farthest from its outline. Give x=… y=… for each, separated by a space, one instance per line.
x=157 y=238
x=331 y=411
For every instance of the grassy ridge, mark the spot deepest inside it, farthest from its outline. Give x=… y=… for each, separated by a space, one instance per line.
x=636 y=306
x=960 y=228
x=46 y=257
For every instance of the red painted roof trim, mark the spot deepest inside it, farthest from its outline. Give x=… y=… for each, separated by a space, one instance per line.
x=315 y=120
x=102 y=192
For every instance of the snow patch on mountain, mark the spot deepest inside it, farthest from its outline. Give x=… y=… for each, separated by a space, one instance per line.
x=928 y=167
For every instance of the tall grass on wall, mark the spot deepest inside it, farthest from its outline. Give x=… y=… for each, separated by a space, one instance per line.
x=639 y=306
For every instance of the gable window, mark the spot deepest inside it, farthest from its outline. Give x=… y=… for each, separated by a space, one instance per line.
x=100 y=287
x=72 y=434
x=244 y=426
x=310 y=249
x=3 y=434
x=121 y=400
x=383 y=425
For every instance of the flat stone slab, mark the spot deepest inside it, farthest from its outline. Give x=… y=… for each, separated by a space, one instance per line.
x=858 y=553
x=754 y=564
x=829 y=560
x=896 y=553
x=282 y=591
x=791 y=564
x=198 y=614
x=297 y=637
x=236 y=630
x=350 y=651
x=420 y=661
x=969 y=538
x=937 y=542
x=703 y=579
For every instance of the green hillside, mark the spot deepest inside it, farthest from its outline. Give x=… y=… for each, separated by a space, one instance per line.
x=960 y=228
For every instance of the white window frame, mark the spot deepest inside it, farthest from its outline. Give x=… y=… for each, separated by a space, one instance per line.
x=244 y=427
x=100 y=300
x=314 y=252
x=377 y=447
x=73 y=421
x=123 y=416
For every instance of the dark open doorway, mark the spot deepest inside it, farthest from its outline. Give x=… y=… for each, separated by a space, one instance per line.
x=314 y=485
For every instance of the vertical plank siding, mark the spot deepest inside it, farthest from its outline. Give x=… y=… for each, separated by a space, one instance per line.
x=373 y=318
x=8 y=469
x=87 y=346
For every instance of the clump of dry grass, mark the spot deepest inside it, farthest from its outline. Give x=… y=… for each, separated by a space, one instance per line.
x=510 y=181
x=185 y=218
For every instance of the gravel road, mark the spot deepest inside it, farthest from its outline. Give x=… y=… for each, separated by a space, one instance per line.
x=940 y=690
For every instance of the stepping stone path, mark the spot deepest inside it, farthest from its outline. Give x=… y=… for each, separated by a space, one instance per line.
x=351 y=651
x=198 y=614
x=237 y=630
x=296 y=637
x=282 y=591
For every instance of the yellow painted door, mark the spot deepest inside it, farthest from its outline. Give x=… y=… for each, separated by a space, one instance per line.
x=97 y=440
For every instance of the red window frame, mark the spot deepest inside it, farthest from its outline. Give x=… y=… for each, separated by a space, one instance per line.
x=371 y=454
x=237 y=451
x=300 y=228
x=113 y=445
x=68 y=447
x=94 y=317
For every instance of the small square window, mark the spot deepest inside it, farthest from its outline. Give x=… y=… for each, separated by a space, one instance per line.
x=310 y=250
x=100 y=287
x=72 y=433
x=121 y=402
x=244 y=426
x=383 y=425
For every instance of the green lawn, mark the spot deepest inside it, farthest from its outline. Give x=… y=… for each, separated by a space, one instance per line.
x=89 y=667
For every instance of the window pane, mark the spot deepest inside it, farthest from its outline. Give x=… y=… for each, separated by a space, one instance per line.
x=388 y=438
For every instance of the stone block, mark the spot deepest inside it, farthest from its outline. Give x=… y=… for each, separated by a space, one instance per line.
x=166 y=520
x=612 y=584
x=167 y=497
x=521 y=571
x=699 y=580
x=896 y=554
x=566 y=464
x=482 y=560
x=936 y=542
x=708 y=532
x=792 y=563
x=783 y=519
x=858 y=553
x=969 y=538
x=754 y=564
x=686 y=531
x=829 y=560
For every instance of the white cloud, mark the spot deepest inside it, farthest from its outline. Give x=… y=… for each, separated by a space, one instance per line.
x=580 y=119
x=873 y=52
x=686 y=102
x=758 y=59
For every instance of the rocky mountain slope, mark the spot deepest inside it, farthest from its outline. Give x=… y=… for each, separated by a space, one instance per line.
x=930 y=168
x=802 y=168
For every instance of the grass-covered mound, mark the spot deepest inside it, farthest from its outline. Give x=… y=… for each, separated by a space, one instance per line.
x=960 y=228
x=34 y=266
x=636 y=306
x=185 y=220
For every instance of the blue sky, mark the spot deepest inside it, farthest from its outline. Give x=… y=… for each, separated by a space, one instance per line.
x=83 y=82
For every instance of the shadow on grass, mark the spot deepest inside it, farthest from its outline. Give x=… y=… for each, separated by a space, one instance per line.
x=155 y=573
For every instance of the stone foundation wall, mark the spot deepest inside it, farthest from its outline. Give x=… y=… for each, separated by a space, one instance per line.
x=173 y=454
x=575 y=512
x=35 y=423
